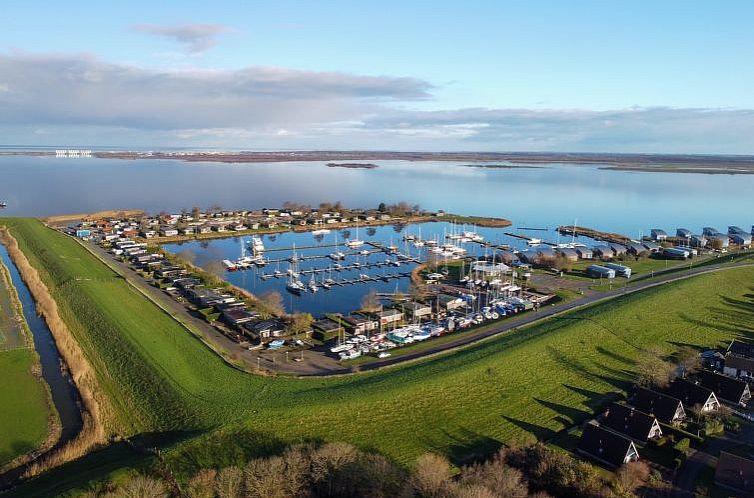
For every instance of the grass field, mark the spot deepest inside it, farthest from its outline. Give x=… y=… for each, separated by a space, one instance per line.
x=531 y=383
x=24 y=408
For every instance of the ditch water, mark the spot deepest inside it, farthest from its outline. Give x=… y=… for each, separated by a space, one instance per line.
x=64 y=393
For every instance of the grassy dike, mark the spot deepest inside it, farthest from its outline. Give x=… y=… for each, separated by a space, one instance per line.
x=532 y=383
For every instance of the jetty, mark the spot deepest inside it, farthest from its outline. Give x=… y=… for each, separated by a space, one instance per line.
x=577 y=231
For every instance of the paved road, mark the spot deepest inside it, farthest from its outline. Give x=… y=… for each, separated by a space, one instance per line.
x=317 y=364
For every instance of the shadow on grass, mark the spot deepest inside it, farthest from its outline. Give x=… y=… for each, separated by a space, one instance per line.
x=570 y=415
x=541 y=433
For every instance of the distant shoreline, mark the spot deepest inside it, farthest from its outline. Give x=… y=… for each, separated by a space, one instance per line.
x=649 y=163
x=353 y=165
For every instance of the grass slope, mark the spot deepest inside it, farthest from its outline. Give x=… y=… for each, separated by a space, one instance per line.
x=534 y=382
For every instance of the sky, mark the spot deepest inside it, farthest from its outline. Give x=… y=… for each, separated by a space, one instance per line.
x=581 y=76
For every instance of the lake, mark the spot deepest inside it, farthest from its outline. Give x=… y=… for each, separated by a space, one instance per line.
x=628 y=202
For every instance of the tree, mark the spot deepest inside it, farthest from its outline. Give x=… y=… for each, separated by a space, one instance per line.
x=143 y=487
x=186 y=255
x=382 y=207
x=430 y=476
x=195 y=212
x=631 y=476
x=371 y=301
x=271 y=303
x=300 y=323
x=716 y=244
x=265 y=478
x=229 y=483
x=688 y=360
x=653 y=370
x=215 y=268
x=202 y=485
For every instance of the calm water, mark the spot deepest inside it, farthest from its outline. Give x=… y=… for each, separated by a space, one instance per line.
x=64 y=393
x=557 y=194
x=337 y=299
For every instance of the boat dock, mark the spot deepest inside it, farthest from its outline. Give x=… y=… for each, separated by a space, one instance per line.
x=576 y=231
x=528 y=238
x=341 y=268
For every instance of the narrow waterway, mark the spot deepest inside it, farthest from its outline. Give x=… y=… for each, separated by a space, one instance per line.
x=64 y=393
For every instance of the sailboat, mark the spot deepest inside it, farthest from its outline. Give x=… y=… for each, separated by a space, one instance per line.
x=355 y=242
x=313 y=284
x=338 y=254
x=294 y=285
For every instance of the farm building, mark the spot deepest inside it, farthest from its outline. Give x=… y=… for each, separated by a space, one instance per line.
x=709 y=231
x=694 y=396
x=727 y=388
x=597 y=271
x=666 y=409
x=683 y=233
x=631 y=422
x=675 y=253
x=602 y=251
x=606 y=446
x=584 y=252
x=623 y=271
x=658 y=234
x=735 y=472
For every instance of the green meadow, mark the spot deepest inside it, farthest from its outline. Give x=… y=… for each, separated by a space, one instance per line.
x=530 y=383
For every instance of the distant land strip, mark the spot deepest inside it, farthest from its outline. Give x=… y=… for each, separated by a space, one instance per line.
x=678 y=163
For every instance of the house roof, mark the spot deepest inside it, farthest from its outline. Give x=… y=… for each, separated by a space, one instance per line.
x=660 y=405
x=725 y=387
x=689 y=393
x=605 y=445
x=735 y=472
x=326 y=325
x=743 y=349
x=739 y=363
x=629 y=421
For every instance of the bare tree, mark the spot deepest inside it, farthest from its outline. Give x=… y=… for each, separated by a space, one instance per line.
x=688 y=360
x=229 y=483
x=186 y=255
x=631 y=476
x=300 y=323
x=143 y=487
x=371 y=301
x=271 y=303
x=430 y=476
x=265 y=478
x=653 y=370
x=202 y=485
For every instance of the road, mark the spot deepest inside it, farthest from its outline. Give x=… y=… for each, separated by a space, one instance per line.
x=318 y=364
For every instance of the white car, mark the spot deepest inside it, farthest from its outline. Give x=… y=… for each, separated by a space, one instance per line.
x=384 y=354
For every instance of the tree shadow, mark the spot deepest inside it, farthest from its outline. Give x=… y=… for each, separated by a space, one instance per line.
x=615 y=356
x=569 y=414
x=594 y=401
x=541 y=433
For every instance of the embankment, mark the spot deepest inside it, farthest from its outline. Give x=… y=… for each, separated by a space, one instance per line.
x=94 y=402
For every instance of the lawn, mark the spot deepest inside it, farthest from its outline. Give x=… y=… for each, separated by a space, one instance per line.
x=532 y=383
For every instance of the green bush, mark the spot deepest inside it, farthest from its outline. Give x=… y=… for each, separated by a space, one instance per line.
x=213 y=317
x=682 y=446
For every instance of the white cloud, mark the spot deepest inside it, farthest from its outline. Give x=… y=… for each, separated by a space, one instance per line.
x=83 y=99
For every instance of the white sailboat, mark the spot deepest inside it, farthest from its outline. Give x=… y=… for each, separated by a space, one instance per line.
x=355 y=242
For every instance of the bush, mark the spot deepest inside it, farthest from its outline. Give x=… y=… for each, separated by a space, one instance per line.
x=682 y=446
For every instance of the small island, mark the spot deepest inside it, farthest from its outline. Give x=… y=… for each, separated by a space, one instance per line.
x=353 y=165
x=500 y=166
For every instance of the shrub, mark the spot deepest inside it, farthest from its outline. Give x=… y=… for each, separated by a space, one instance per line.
x=682 y=446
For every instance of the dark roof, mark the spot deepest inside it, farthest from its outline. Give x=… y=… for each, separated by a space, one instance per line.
x=735 y=472
x=262 y=325
x=660 y=405
x=689 y=393
x=739 y=363
x=726 y=388
x=604 y=445
x=326 y=325
x=742 y=349
x=628 y=421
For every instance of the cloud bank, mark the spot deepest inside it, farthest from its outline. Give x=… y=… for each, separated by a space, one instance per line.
x=82 y=99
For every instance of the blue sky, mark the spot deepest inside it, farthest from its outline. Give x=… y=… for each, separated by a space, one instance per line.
x=632 y=76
